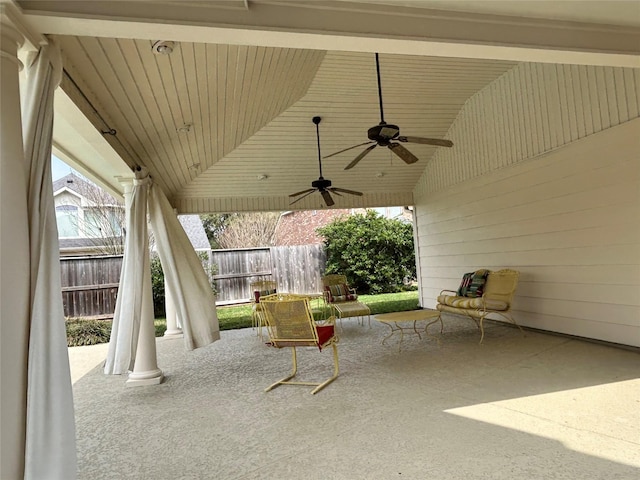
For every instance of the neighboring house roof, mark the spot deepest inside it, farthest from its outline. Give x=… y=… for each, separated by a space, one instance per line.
x=195 y=231
x=191 y=224
x=81 y=187
x=299 y=227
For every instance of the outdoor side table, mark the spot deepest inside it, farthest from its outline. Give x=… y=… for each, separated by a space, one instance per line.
x=393 y=321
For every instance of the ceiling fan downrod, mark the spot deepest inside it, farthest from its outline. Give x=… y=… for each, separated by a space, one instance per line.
x=382 y=122
x=317 y=120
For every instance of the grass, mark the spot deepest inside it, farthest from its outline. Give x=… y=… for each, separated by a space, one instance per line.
x=91 y=332
x=239 y=316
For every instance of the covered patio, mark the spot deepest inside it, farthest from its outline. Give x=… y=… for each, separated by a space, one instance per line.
x=539 y=406
x=214 y=100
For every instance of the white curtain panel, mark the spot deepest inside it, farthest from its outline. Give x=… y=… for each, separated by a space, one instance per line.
x=185 y=277
x=50 y=444
x=135 y=266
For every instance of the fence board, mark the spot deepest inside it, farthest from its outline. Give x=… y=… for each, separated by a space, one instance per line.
x=90 y=284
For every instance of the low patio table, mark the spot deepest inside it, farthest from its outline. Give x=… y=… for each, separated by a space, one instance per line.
x=393 y=321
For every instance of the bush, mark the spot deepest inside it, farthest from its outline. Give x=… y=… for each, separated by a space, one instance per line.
x=375 y=253
x=157 y=286
x=81 y=331
x=157 y=280
x=87 y=332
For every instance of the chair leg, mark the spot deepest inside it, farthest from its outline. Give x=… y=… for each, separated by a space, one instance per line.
x=336 y=371
x=293 y=372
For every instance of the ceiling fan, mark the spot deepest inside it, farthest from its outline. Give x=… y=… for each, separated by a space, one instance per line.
x=322 y=185
x=382 y=134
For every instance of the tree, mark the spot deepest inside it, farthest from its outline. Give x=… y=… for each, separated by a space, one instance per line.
x=102 y=217
x=214 y=225
x=249 y=230
x=375 y=253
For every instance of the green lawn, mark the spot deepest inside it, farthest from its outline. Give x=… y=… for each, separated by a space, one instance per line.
x=239 y=316
x=90 y=332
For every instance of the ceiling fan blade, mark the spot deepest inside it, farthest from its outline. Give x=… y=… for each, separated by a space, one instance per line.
x=360 y=157
x=303 y=196
x=327 y=198
x=346 y=149
x=308 y=190
x=427 y=141
x=403 y=153
x=344 y=190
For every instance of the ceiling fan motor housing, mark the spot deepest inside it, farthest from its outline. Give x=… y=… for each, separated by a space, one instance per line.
x=321 y=183
x=383 y=133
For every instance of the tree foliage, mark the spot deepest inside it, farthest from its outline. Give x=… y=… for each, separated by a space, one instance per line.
x=245 y=230
x=214 y=225
x=375 y=253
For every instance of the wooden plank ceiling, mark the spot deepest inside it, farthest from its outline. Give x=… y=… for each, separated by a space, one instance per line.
x=250 y=111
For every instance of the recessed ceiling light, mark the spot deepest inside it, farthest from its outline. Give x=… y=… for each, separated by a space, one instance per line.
x=163 y=47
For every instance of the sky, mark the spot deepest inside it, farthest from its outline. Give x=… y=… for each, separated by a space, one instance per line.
x=58 y=168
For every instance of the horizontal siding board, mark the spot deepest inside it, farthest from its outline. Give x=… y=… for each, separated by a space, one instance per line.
x=611 y=314
x=622 y=334
x=568 y=221
x=608 y=216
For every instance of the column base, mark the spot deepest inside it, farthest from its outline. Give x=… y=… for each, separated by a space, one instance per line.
x=153 y=377
x=173 y=333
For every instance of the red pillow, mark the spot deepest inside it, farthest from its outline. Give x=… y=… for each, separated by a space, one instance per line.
x=325 y=332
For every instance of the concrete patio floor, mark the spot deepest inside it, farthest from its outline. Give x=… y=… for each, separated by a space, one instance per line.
x=517 y=407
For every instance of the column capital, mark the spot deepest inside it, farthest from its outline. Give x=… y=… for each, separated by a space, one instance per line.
x=13 y=24
x=126 y=182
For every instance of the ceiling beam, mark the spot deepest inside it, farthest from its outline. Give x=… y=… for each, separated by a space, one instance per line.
x=346 y=26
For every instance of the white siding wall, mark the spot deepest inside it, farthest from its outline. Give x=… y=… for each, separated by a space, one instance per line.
x=567 y=219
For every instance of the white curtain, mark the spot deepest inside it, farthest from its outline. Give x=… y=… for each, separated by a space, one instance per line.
x=50 y=444
x=135 y=267
x=184 y=276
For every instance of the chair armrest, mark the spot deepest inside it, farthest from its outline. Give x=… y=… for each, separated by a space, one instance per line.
x=450 y=291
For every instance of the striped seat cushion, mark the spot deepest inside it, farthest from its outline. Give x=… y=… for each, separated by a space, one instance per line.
x=340 y=293
x=466 y=302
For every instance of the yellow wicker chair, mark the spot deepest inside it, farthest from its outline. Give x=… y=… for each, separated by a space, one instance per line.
x=343 y=299
x=290 y=324
x=499 y=290
x=259 y=290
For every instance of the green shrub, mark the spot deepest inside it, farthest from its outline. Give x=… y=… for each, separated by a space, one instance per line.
x=157 y=280
x=87 y=332
x=82 y=331
x=157 y=285
x=375 y=253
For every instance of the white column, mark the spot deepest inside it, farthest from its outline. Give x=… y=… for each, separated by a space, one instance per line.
x=145 y=367
x=172 y=318
x=14 y=258
x=173 y=329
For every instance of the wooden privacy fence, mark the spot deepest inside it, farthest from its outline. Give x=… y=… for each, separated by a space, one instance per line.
x=296 y=269
x=90 y=284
